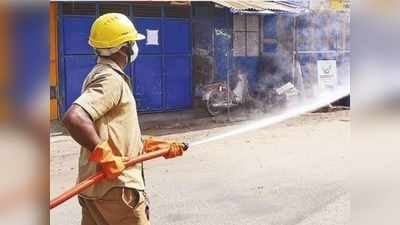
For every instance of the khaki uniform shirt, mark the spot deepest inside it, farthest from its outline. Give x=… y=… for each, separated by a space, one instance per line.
x=108 y=99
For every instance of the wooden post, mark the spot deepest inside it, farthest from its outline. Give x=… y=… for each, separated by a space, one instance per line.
x=53 y=77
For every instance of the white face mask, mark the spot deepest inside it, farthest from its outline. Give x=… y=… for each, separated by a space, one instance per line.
x=135 y=50
x=134 y=55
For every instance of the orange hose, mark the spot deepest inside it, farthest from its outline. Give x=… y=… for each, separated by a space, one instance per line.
x=100 y=176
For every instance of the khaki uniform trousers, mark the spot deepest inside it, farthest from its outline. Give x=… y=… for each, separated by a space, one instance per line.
x=119 y=206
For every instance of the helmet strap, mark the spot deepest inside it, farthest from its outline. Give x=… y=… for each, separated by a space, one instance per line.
x=126 y=51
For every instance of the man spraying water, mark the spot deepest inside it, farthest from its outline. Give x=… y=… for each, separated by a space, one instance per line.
x=103 y=120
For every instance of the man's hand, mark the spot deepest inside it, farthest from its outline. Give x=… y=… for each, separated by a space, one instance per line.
x=111 y=164
x=175 y=149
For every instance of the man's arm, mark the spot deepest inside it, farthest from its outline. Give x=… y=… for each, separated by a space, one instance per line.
x=81 y=127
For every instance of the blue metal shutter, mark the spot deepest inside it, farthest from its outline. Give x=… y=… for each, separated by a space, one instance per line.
x=177 y=42
x=147 y=69
x=76 y=69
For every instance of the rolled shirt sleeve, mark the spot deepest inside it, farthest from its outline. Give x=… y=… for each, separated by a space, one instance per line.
x=100 y=94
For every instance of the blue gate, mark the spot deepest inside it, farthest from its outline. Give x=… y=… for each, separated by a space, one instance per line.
x=162 y=72
x=76 y=56
x=161 y=75
x=177 y=64
x=148 y=67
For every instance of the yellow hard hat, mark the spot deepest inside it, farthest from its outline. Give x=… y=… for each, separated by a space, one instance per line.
x=112 y=30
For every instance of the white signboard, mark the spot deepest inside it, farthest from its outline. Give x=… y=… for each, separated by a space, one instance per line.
x=327 y=73
x=151 y=37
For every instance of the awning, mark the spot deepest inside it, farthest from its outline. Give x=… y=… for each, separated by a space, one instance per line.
x=260 y=7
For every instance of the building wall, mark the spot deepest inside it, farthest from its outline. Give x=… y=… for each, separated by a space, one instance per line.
x=161 y=76
x=323 y=35
x=248 y=42
x=215 y=36
x=212 y=44
x=286 y=39
x=203 y=45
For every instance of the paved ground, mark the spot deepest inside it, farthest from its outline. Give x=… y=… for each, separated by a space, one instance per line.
x=291 y=173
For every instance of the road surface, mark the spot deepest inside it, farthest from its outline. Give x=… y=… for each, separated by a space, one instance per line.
x=291 y=173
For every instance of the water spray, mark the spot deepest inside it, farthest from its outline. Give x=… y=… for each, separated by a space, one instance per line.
x=325 y=99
